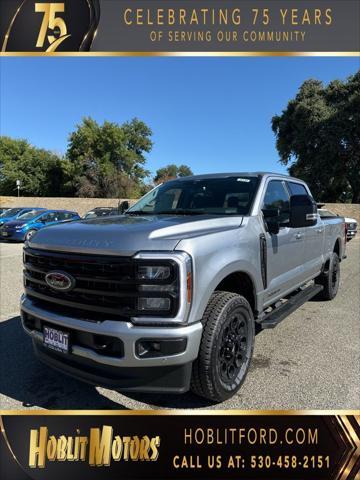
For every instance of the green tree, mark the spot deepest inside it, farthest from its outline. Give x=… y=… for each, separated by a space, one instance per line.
x=107 y=160
x=318 y=138
x=170 y=172
x=40 y=171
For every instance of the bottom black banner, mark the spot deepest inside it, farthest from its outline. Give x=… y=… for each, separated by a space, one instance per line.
x=180 y=445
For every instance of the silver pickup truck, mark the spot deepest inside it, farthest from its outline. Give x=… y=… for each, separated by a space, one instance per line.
x=168 y=296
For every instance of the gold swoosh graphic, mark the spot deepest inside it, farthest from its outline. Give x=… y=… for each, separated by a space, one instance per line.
x=7 y=34
x=2 y=427
x=353 y=441
x=57 y=42
x=84 y=39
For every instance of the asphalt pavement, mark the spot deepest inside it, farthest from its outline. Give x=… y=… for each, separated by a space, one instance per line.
x=309 y=361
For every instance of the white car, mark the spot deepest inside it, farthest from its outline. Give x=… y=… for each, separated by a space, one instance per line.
x=351 y=227
x=351 y=223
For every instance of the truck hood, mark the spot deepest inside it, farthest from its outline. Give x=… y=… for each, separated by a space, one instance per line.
x=128 y=234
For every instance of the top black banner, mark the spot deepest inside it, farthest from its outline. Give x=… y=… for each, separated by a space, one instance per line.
x=170 y=27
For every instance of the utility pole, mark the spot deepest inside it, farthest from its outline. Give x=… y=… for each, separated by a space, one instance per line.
x=18 y=186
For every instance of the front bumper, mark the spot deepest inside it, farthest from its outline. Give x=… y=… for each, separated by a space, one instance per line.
x=12 y=234
x=351 y=233
x=129 y=371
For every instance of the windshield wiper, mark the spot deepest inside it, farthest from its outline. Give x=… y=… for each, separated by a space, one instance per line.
x=180 y=211
x=139 y=212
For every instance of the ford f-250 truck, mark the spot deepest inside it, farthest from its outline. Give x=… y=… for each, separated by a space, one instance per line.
x=168 y=296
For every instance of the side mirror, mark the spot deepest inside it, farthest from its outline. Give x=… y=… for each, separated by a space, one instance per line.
x=124 y=206
x=303 y=211
x=271 y=216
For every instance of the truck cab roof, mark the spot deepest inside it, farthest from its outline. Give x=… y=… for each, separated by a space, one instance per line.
x=237 y=174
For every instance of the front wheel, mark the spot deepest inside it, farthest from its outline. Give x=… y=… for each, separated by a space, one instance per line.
x=226 y=347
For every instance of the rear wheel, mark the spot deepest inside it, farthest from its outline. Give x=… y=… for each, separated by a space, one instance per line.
x=29 y=234
x=330 y=278
x=226 y=347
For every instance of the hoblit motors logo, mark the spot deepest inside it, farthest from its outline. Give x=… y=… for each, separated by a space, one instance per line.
x=99 y=448
x=39 y=26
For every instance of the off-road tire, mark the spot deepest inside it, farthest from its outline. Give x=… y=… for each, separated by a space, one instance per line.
x=208 y=369
x=330 y=278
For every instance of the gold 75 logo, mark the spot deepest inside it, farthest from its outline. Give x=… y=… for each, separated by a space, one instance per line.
x=51 y=22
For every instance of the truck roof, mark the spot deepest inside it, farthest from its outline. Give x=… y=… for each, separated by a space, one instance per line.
x=237 y=174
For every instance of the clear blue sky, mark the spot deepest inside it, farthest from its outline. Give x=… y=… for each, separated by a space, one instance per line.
x=212 y=114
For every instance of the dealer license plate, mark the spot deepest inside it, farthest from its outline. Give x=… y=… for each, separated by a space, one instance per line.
x=56 y=340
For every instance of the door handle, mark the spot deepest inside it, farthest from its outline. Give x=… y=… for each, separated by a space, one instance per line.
x=298 y=236
x=319 y=230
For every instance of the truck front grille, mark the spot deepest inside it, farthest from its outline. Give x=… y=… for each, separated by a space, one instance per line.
x=105 y=286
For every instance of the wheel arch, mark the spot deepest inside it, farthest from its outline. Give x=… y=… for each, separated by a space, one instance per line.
x=239 y=282
x=337 y=248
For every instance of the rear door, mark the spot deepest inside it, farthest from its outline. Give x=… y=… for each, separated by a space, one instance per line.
x=49 y=218
x=314 y=238
x=285 y=250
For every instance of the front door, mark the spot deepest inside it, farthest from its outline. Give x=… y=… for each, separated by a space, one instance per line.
x=285 y=250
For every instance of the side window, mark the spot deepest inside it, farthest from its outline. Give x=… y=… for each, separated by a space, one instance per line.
x=67 y=216
x=50 y=217
x=61 y=216
x=297 y=188
x=277 y=198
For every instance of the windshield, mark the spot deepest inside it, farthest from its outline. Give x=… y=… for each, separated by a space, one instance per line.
x=11 y=212
x=209 y=196
x=29 y=215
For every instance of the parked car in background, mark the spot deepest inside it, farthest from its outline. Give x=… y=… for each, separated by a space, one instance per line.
x=24 y=227
x=14 y=213
x=3 y=209
x=102 y=212
x=350 y=223
x=351 y=227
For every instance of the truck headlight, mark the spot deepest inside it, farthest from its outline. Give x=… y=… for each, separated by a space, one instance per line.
x=153 y=272
x=164 y=287
x=158 y=287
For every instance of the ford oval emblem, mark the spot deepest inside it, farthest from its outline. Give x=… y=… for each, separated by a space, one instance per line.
x=60 y=281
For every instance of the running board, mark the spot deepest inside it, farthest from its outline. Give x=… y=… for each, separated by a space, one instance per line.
x=272 y=319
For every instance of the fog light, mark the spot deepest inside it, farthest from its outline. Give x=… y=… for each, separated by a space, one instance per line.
x=147 y=348
x=145 y=303
x=148 y=272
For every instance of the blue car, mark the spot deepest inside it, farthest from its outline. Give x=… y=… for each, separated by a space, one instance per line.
x=24 y=227
x=14 y=213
